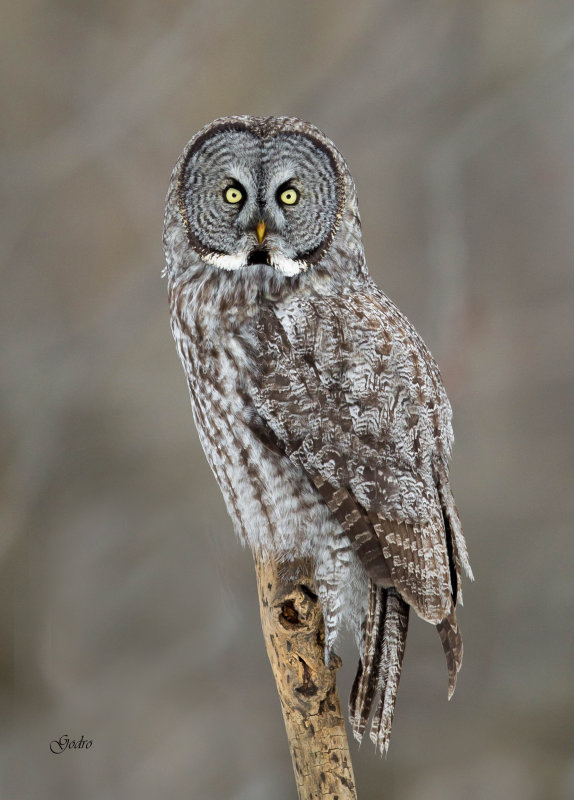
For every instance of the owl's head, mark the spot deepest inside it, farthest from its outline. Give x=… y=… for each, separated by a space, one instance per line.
x=268 y=191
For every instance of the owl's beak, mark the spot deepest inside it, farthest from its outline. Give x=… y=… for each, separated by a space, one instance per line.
x=260 y=231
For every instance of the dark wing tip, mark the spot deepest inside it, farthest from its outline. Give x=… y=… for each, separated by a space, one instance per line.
x=453 y=649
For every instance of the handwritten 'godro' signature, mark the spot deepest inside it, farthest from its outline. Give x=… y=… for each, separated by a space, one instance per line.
x=58 y=746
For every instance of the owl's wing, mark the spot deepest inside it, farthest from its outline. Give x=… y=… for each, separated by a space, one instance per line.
x=351 y=394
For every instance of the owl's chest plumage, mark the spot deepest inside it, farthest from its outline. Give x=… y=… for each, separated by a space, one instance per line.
x=347 y=394
x=271 y=501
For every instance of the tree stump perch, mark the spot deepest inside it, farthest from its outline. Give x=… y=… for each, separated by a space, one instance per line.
x=293 y=629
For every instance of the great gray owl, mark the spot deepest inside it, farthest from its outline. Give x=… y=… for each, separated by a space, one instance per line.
x=321 y=412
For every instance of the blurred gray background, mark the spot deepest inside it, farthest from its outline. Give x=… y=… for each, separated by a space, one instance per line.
x=128 y=611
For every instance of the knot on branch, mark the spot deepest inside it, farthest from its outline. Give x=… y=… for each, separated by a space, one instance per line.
x=289 y=615
x=294 y=632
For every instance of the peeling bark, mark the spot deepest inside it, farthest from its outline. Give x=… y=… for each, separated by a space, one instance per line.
x=293 y=629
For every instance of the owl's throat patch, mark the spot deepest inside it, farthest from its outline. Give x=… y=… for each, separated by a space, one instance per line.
x=260 y=256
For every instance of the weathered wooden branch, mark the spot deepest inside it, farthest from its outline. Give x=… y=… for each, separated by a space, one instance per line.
x=293 y=628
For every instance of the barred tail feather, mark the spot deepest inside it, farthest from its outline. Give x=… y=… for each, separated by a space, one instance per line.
x=365 y=683
x=380 y=665
x=393 y=649
x=452 y=646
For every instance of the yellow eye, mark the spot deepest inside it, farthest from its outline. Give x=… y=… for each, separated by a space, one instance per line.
x=233 y=195
x=289 y=197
